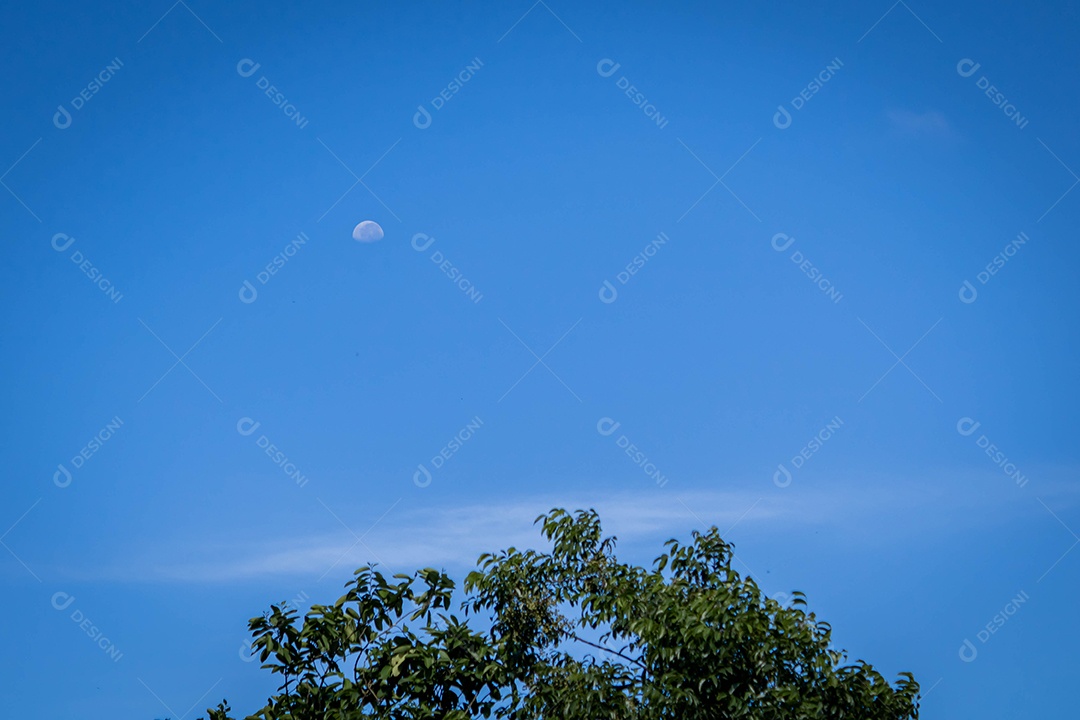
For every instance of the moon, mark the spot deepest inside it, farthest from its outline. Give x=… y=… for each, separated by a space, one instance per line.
x=367 y=231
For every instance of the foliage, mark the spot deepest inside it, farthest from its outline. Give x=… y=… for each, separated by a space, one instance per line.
x=570 y=633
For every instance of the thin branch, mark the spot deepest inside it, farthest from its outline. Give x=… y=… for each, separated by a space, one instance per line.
x=636 y=661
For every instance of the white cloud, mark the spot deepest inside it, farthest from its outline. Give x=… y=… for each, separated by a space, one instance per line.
x=409 y=538
x=878 y=511
x=455 y=536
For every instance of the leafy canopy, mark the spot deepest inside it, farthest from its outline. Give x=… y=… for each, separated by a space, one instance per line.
x=570 y=633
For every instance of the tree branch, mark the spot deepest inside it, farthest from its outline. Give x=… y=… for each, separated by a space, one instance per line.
x=636 y=661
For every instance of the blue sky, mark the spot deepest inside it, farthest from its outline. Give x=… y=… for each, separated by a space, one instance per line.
x=801 y=194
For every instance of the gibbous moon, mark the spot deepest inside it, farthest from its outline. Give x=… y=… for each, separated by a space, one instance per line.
x=367 y=231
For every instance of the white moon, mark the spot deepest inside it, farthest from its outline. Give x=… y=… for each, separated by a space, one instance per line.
x=367 y=231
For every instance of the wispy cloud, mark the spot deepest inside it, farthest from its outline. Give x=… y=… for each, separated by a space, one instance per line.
x=454 y=536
